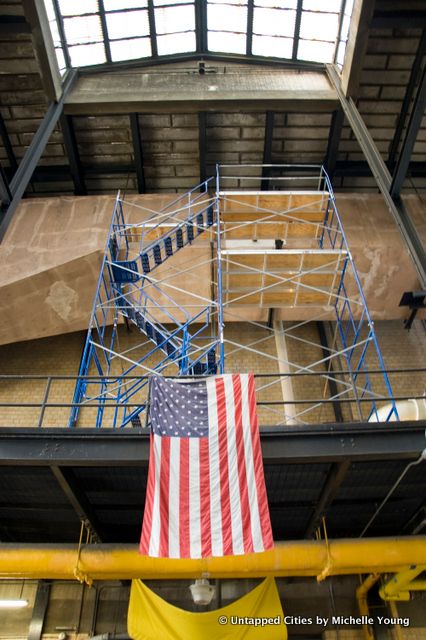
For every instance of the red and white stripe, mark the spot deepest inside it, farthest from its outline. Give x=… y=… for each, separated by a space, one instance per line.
x=206 y=496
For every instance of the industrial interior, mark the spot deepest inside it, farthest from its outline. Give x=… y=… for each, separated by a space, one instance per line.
x=196 y=188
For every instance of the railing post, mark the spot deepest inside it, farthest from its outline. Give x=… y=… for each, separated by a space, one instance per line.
x=43 y=406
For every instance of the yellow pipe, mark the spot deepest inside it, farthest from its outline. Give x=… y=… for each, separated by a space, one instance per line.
x=300 y=558
x=397 y=627
x=417 y=585
x=398 y=586
x=361 y=596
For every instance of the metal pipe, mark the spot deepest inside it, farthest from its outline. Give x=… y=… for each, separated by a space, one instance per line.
x=399 y=585
x=362 y=599
x=298 y=558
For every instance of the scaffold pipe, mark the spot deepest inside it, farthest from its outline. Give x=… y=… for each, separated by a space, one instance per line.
x=299 y=558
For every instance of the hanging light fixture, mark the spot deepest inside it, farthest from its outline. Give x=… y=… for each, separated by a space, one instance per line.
x=19 y=603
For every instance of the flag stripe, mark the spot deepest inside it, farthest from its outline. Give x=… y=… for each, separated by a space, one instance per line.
x=174 y=498
x=234 y=489
x=251 y=480
x=225 y=502
x=206 y=534
x=214 y=477
x=184 y=498
x=164 y=496
x=262 y=498
x=242 y=472
x=194 y=499
x=149 y=501
x=155 y=530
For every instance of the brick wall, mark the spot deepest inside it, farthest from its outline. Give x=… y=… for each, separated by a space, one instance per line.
x=60 y=355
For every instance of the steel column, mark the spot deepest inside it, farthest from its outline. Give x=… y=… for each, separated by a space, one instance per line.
x=414 y=77
x=202 y=144
x=334 y=136
x=7 y=145
x=29 y=162
x=5 y=194
x=267 y=149
x=39 y=610
x=71 y=149
x=382 y=177
x=414 y=125
x=137 y=151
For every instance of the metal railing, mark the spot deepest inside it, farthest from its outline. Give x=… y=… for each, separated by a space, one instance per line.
x=46 y=400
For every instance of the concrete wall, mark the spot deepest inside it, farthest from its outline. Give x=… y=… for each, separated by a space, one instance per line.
x=50 y=257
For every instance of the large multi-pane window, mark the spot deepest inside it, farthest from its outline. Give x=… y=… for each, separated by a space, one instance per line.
x=92 y=32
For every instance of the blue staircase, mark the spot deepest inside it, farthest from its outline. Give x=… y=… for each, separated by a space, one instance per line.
x=127 y=288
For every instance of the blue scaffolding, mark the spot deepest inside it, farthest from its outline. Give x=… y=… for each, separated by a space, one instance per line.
x=187 y=343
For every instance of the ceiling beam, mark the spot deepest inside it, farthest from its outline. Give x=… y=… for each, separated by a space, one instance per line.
x=138 y=152
x=335 y=478
x=356 y=47
x=307 y=444
x=148 y=92
x=78 y=500
x=32 y=155
x=413 y=127
x=71 y=148
x=35 y=13
x=382 y=177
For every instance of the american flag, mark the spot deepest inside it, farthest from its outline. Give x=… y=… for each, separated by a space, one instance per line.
x=206 y=490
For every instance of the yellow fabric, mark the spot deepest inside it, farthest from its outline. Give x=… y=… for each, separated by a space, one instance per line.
x=152 y=618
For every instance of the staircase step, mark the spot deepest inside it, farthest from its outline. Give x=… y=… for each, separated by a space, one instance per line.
x=168 y=245
x=157 y=254
x=145 y=263
x=190 y=231
x=210 y=216
x=120 y=273
x=179 y=237
x=200 y=223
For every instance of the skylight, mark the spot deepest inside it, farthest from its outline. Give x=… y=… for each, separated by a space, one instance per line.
x=93 y=32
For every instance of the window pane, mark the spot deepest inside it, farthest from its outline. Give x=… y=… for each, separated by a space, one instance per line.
x=341 y=53
x=239 y=3
x=161 y=3
x=345 y=27
x=227 y=42
x=172 y=19
x=114 y=5
x=267 y=46
x=77 y=7
x=127 y=24
x=330 y=6
x=319 y=26
x=130 y=49
x=231 y=18
x=80 y=30
x=280 y=4
x=61 y=60
x=274 y=22
x=85 y=55
x=315 y=51
x=176 y=43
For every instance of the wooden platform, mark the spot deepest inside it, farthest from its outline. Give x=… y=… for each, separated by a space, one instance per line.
x=281 y=278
